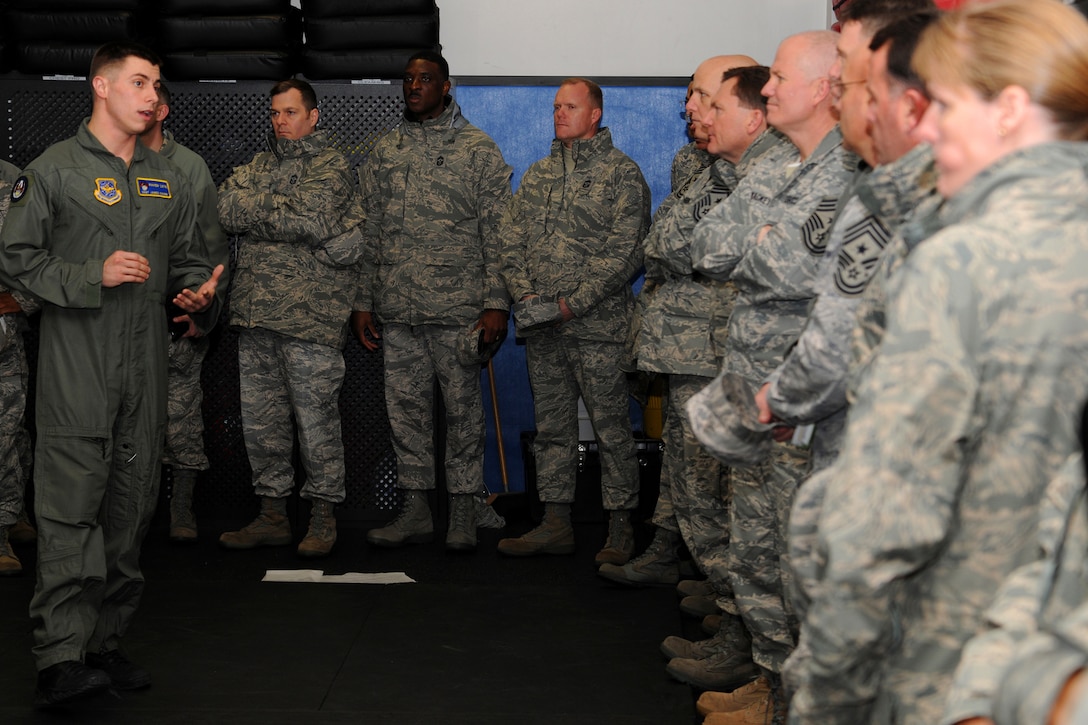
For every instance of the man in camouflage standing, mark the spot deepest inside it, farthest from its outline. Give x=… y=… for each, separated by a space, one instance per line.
x=683 y=335
x=291 y=312
x=184 y=449
x=681 y=313
x=809 y=387
x=574 y=238
x=768 y=238
x=434 y=191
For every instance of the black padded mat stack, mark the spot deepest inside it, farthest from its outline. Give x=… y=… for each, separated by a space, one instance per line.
x=226 y=123
x=240 y=39
x=365 y=38
x=54 y=37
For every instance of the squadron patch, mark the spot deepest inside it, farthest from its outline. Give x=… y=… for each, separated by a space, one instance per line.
x=19 y=189
x=153 y=187
x=863 y=244
x=107 y=191
x=814 y=231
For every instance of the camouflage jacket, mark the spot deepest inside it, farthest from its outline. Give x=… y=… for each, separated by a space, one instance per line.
x=687 y=162
x=14 y=322
x=580 y=236
x=962 y=419
x=434 y=193
x=9 y=172
x=285 y=203
x=775 y=277
x=684 y=316
x=810 y=386
x=1036 y=631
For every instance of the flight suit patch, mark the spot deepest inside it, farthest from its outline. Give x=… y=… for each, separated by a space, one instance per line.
x=107 y=191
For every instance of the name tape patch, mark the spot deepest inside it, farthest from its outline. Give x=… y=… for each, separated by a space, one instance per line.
x=153 y=187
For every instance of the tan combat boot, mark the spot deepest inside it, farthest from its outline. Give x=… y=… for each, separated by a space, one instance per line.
x=182 y=522
x=621 y=540
x=732 y=635
x=658 y=566
x=754 y=692
x=760 y=711
x=9 y=563
x=413 y=525
x=270 y=528
x=554 y=535
x=322 y=532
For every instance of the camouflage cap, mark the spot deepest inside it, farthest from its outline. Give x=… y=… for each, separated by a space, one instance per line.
x=535 y=313
x=724 y=418
x=471 y=348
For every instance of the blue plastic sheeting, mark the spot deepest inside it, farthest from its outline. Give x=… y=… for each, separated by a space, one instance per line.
x=646 y=125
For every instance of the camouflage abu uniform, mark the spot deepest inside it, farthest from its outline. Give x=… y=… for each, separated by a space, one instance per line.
x=687 y=162
x=683 y=335
x=775 y=280
x=15 y=456
x=579 y=236
x=291 y=310
x=9 y=172
x=434 y=193
x=959 y=423
x=1035 y=632
x=185 y=424
x=810 y=386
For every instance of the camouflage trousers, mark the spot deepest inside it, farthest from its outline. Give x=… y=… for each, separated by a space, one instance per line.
x=561 y=369
x=807 y=560
x=15 y=454
x=184 y=420
x=414 y=358
x=286 y=383
x=694 y=491
x=758 y=556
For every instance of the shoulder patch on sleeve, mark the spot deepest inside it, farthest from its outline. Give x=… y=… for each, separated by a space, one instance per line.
x=18 y=189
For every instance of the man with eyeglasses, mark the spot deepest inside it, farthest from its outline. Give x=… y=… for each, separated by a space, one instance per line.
x=809 y=387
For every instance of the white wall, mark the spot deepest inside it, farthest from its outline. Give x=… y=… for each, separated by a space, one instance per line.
x=662 y=38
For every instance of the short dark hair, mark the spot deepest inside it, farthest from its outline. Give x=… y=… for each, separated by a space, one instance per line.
x=875 y=14
x=596 y=95
x=309 y=97
x=903 y=35
x=750 y=82
x=432 y=56
x=165 y=97
x=116 y=52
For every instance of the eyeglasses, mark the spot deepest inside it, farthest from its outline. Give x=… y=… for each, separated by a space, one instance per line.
x=839 y=86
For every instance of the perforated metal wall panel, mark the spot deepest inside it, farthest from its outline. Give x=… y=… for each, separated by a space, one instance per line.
x=226 y=123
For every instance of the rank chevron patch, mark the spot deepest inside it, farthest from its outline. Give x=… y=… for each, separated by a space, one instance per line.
x=860 y=254
x=814 y=231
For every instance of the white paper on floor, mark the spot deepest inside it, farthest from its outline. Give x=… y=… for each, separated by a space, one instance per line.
x=319 y=577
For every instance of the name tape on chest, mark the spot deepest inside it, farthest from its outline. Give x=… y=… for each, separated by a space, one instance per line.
x=153 y=187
